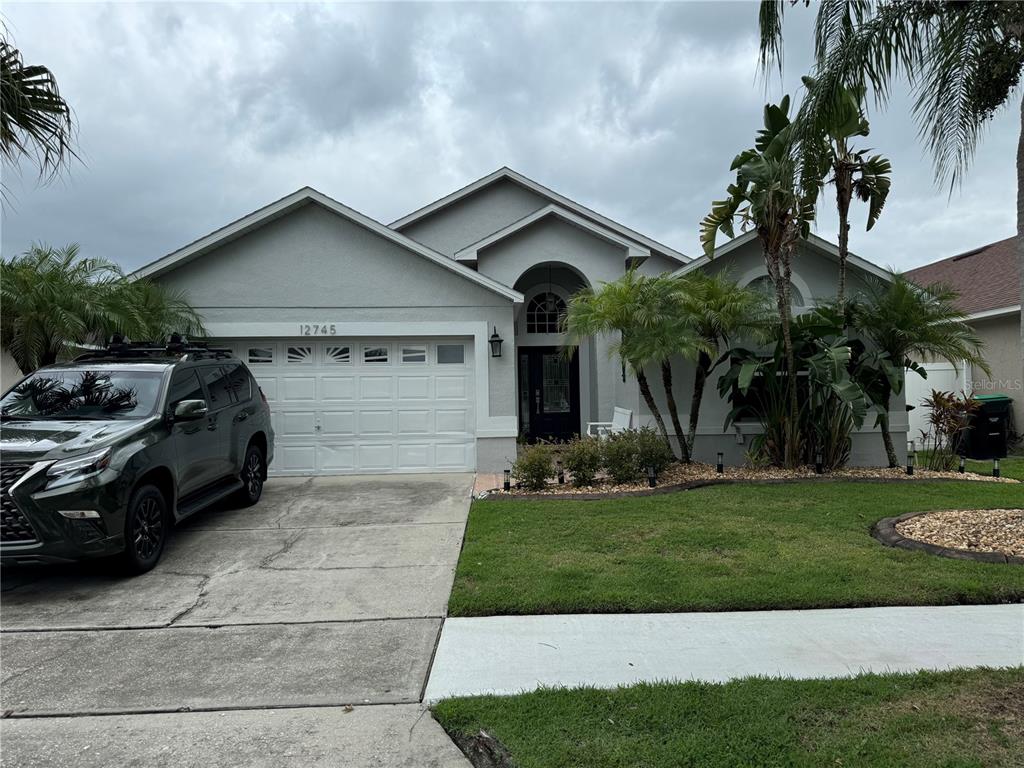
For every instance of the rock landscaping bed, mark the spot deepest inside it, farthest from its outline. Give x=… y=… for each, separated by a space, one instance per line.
x=680 y=476
x=975 y=530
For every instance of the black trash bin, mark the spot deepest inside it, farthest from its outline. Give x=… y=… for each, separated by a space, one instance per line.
x=989 y=431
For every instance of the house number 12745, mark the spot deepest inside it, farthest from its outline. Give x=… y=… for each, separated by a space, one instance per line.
x=314 y=329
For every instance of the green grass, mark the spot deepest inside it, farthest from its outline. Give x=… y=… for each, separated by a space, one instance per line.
x=1011 y=466
x=721 y=548
x=962 y=718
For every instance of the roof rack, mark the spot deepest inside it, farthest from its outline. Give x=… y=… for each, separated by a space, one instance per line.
x=177 y=346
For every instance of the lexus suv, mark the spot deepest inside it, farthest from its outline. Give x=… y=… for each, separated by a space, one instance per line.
x=101 y=456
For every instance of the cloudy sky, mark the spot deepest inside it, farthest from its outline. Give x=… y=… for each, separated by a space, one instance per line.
x=191 y=115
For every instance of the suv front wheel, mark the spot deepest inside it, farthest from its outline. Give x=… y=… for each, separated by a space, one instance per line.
x=145 y=529
x=252 y=476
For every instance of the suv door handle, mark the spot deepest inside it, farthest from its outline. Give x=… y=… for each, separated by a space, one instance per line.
x=242 y=416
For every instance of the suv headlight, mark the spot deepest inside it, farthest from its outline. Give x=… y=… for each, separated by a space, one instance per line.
x=72 y=470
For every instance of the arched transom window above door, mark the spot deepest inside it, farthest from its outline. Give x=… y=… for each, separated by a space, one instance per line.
x=543 y=312
x=765 y=285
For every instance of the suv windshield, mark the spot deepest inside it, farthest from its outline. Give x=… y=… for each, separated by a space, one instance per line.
x=78 y=394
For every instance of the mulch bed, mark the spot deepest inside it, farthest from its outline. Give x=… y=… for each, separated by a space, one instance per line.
x=987 y=535
x=680 y=477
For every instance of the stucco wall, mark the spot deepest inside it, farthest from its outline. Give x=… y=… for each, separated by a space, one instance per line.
x=315 y=266
x=1002 y=337
x=475 y=217
x=10 y=374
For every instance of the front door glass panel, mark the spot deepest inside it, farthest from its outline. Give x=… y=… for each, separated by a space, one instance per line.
x=556 y=383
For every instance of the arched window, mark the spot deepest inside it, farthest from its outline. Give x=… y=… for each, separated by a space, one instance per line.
x=542 y=313
x=765 y=285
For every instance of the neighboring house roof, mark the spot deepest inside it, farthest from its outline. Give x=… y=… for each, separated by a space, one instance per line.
x=633 y=250
x=554 y=197
x=306 y=196
x=819 y=243
x=987 y=278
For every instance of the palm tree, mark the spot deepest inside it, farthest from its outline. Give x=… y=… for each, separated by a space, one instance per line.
x=962 y=60
x=643 y=313
x=719 y=311
x=905 y=321
x=854 y=172
x=52 y=300
x=770 y=197
x=35 y=120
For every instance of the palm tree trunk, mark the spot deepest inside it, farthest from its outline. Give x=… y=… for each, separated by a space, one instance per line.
x=673 y=411
x=785 y=313
x=645 y=391
x=844 y=193
x=883 y=424
x=700 y=378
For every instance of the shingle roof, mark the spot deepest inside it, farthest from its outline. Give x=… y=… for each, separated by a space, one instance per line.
x=987 y=277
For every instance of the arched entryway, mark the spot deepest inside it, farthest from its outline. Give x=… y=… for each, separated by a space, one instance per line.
x=553 y=385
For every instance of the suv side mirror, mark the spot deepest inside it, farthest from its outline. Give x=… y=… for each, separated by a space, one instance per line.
x=189 y=410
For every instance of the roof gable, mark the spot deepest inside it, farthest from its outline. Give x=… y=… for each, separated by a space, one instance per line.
x=987 y=278
x=819 y=244
x=296 y=200
x=553 y=197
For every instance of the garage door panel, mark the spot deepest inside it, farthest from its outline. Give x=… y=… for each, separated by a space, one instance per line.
x=413 y=388
x=414 y=422
x=376 y=456
x=333 y=388
x=367 y=405
x=451 y=387
x=334 y=423
x=296 y=424
x=337 y=457
x=298 y=389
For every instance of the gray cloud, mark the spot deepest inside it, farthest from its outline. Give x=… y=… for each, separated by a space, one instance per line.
x=191 y=115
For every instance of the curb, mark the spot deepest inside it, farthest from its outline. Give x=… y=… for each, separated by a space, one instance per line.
x=885 y=531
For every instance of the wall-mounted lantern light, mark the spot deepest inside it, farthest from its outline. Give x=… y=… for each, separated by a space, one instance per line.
x=495 y=342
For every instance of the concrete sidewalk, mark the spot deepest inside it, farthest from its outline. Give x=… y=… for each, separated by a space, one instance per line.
x=510 y=654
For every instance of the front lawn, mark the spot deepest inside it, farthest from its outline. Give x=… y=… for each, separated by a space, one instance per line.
x=742 y=547
x=962 y=718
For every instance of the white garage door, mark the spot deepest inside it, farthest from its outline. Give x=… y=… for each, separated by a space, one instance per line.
x=367 y=405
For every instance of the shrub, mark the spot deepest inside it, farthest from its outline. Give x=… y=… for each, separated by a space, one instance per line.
x=582 y=458
x=652 y=450
x=622 y=457
x=533 y=468
x=949 y=418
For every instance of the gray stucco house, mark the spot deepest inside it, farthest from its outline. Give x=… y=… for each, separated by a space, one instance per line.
x=371 y=341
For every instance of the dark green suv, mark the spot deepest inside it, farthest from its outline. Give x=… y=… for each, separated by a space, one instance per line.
x=101 y=456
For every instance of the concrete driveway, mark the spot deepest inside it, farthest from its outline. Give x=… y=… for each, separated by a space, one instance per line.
x=290 y=633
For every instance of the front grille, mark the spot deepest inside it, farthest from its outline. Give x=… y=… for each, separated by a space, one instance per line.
x=14 y=526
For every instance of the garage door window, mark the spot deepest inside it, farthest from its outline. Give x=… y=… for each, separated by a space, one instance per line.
x=451 y=354
x=373 y=355
x=300 y=355
x=414 y=354
x=338 y=355
x=261 y=356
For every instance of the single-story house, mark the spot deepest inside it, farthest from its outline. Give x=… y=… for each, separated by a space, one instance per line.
x=988 y=281
x=433 y=343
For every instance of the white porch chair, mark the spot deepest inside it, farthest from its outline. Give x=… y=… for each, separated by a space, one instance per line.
x=622 y=419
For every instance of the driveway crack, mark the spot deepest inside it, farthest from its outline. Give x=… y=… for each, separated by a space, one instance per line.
x=195 y=603
x=284 y=549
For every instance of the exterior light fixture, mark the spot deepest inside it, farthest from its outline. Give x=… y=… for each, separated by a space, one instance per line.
x=721 y=463
x=561 y=472
x=995 y=466
x=652 y=477
x=911 y=455
x=818 y=464
x=495 y=342
x=963 y=464
x=507 y=485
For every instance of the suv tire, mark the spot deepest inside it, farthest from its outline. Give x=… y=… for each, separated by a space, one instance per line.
x=146 y=525
x=253 y=475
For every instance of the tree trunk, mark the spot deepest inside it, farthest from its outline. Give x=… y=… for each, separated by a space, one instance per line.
x=883 y=423
x=700 y=378
x=673 y=411
x=783 y=297
x=844 y=193
x=645 y=391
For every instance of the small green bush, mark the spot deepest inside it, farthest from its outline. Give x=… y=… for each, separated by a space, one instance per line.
x=533 y=468
x=652 y=451
x=621 y=453
x=582 y=459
